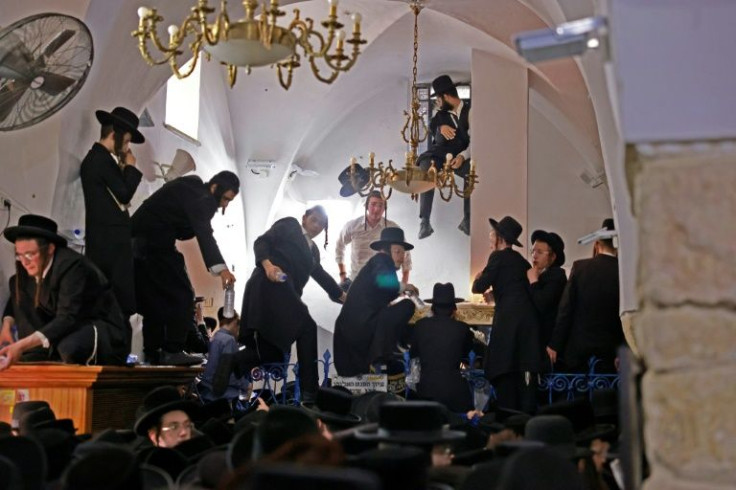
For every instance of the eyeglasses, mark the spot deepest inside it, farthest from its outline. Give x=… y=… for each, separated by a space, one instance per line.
x=28 y=256
x=535 y=251
x=176 y=426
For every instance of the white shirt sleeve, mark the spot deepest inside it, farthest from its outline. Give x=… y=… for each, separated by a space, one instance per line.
x=345 y=237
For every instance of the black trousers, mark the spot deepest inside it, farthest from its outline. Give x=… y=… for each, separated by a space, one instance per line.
x=165 y=297
x=111 y=250
x=427 y=198
x=88 y=344
x=391 y=325
x=517 y=391
x=259 y=351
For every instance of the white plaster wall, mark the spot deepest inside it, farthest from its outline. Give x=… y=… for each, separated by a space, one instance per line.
x=559 y=200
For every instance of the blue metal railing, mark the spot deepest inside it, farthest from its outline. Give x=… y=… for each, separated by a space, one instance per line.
x=273 y=376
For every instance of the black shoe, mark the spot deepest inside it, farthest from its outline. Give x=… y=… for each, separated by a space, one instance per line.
x=178 y=359
x=221 y=379
x=464 y=226
x=425 y=229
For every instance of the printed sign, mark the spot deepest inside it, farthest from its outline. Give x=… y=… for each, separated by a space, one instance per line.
x=363 y=383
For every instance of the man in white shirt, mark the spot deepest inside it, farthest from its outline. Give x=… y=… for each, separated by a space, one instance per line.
x=360 y=233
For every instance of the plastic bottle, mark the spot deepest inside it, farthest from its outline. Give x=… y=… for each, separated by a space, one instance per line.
x=281 y=276
x=228 y=310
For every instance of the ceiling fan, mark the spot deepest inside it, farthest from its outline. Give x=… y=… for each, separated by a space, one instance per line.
x=44 y=61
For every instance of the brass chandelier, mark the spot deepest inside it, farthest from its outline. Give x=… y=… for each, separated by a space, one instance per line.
x=255 y=40
x=412 y=179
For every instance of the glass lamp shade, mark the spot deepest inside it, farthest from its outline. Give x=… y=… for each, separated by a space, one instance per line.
x=242 y=46
x=418 y=180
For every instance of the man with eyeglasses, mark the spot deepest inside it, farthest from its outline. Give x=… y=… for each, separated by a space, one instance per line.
x=167 y=418
x=60 y=303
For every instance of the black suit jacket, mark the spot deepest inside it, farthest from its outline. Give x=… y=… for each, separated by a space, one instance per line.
x=546 y=294
x=441 y=343
x=180 y=210
x=588 y=322
x=74 y=293
x=107 y=234
x=439 y=146
x=276 y=310
x=375 y=286
x=514 y=345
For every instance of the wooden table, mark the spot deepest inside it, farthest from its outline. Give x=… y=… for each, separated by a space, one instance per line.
x=94 y=397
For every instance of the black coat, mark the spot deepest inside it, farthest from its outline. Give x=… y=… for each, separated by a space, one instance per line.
x=273 y=309
x=107 y=226
x=514 y=344
x=180 y=210
x=441 y=343
x=546 y=294
x=439 y=146
x=73 y=294
x=375 y=286
x=588 y=321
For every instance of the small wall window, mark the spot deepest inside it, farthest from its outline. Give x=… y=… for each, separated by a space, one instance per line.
x=182 y=104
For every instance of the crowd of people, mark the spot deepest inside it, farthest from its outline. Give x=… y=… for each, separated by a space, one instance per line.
x=75 y=308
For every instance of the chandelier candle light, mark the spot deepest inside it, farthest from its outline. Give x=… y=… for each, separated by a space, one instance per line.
x=412 y=179
x=255 y=40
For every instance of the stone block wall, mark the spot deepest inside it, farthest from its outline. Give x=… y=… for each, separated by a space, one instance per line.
x=685 y=205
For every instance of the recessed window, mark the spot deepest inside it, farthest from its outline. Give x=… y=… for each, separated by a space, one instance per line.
x=182 y=103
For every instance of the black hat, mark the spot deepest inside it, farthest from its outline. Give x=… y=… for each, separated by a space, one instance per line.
x=442 y=85
x=22 y=408
x=412 y=422
x=508 y=228
x=35 y=226
x=280 y=425
x=29 y=458
x=159 y=401
x=443 y=295
x=333 y=406
x=580 y=413
x=362 y=176
x=391 y=236
x=217 y=430
x=58 y=445
x=555 y=243
x=172 y=462
x=557 y=433
x=44 y=418
x=122 y=118
x=104 y=467
x=368 y=405
x=608 y=224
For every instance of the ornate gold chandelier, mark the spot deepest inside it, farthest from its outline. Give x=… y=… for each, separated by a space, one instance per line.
x=255 y=40
x=411 y=179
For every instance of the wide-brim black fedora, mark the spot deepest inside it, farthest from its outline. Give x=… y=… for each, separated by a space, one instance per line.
x=123 y=118
x=442 y=85
x=443 y=295
x=508 y=228
x=160 y=401
x=555 y=243
x=361 y=177
x=391 y=236
x=35 y=226
x=413 y=422
x=333 y=406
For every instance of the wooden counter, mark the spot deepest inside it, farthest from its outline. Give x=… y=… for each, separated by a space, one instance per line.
x=95 y=397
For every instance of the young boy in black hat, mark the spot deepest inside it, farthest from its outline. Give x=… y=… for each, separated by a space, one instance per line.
x=62 y=304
